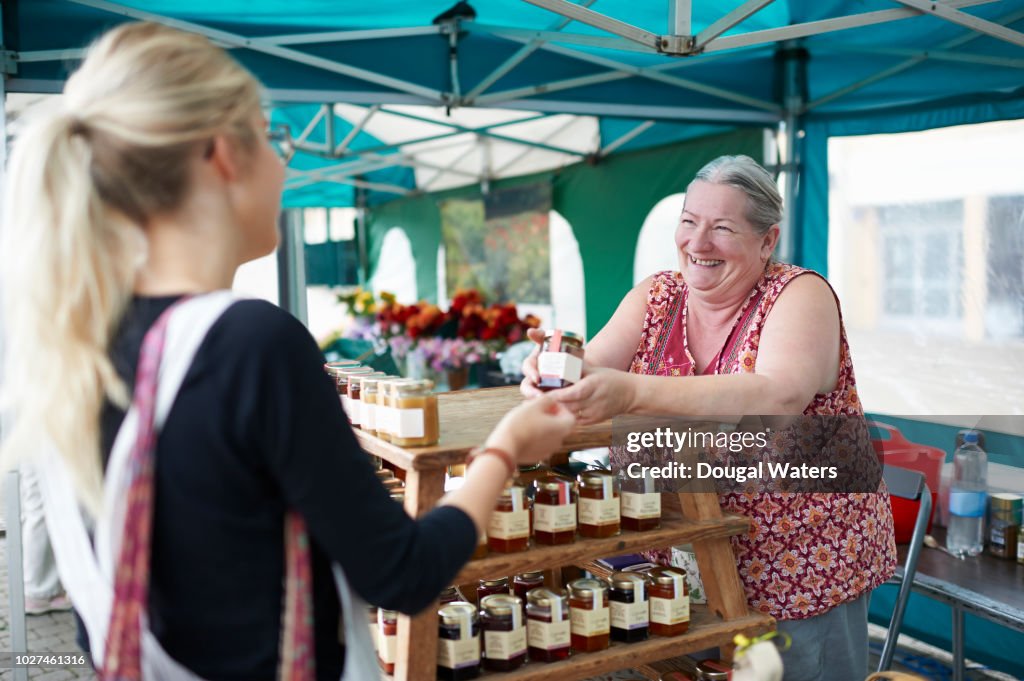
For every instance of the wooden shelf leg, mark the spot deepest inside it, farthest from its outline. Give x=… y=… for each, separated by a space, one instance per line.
x=726 y=597
x=417 y=636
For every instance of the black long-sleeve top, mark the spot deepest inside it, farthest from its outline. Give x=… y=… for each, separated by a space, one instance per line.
x=258 y=429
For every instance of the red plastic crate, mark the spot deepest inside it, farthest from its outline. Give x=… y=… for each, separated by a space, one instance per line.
x=896 y=450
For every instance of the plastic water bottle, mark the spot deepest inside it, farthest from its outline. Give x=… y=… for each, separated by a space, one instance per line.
x=967 y=498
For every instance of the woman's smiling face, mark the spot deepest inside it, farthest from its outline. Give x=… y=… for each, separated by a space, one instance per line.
x=719 y=248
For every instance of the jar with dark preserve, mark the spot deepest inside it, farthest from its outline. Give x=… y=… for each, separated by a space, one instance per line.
x=490 y=587
x=548 y=625
x=509 y=527
x=554 y=511
x=1004 y=524
x=670 y=602
x=523 y=584
x=332 y=369
x=560 y=362
x=641 y=503
x=630 y=610
x=599 y=504
x=588 y=612
x=458 y=642
x=714 y=670
x=501 y=618
x=387 y=639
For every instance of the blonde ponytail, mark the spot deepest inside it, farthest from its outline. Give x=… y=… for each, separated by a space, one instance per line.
x=82 y=181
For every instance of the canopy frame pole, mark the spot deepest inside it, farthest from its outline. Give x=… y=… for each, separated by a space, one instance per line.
x=794 y=83
x=236 y=40
x=356 y=129
x=310 y=127
x=627 y=137
x=972 y=22
x=731 y=19
x=453 y=61
x=601 y=21
x=458 y=159
x=904 y=65
x=328 y=126
x=679 y=17
x=346 y=36
x=518 y=58
x=939 y=55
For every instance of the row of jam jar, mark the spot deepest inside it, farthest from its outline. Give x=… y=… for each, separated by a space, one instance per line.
x=402 y=411
x=554 y=624
x=599 y=505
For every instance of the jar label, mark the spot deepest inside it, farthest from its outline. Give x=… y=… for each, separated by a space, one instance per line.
x=997 y=537
x=458 y=654
x=504 y=645
x=368 y=415
x=547 y=518
x=509 y=524
x=641 y=506
x=388 y=648
x=590 y=622
x=385 y=419
x=599 y=511
x=548 y=635
x=967 y=504
x=630 y=615
x=560 y=365
x=409 y=423
x=346 y=405
x=670 y=610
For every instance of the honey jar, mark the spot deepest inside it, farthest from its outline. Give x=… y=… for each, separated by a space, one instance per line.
x=458 y=642
x=554 y=510
x=548 y=626
x=588 y=613
x=368 y=403
x=387 y=639
x=501 y=618
x=481 y=547
x=599 y=504
x=343 y=377
x=670 y=602
x=509 y=528
x=386 y=412
x=490 y=587
x=641 y=503
x=355 y=389
x=415 y=422
x=560 y=363
x=630 y=610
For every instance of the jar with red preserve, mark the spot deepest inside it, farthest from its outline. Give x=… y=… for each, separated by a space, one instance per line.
x=501 y=618
x=560 y=363
x=670 y=602
x=509 y=528
x=387 y=640
x=458 y=642
x=588 y=612
x=489 y=587
x=523 y=584
x=548 y=625
x=641 y=503
x=554 y=511
x=599 y=504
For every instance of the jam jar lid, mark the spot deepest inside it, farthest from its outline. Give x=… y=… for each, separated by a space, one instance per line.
x=538 y=574
x=574 y=338
x=384 y=473
x=553 y=483
x=392 y=483
x=360 y=379
x=628 y=581
x=587 y=588
x=501 y=604
x=543 y=596
x=457 y=612
x=413 y=387
x=501 y=581
x=1006 y=502
x=450 y=591
x=331 y=367
x=370 y=382
x=595 y=479
x=666 y=576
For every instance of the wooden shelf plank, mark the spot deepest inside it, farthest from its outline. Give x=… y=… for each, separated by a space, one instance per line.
x=467 y=418
x=672 y=531
x=706 y=631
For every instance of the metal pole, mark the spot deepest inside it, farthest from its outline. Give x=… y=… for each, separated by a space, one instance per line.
x=794 y=83
x=679 y=17
x=958 y=643
x=291 y=265
x=364 y=262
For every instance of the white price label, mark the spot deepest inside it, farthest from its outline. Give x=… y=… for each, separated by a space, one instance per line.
x=547 y=518
x=590 y=622
x=409 y=423
x=548 y=635
x=458 y=654
x=509 y=524
x=560 y=365
x=504 y=645
x=630 y=615
x=641 y=506
x=670 y=611
x=599 y=511
x=368 y=415
x=388 y=649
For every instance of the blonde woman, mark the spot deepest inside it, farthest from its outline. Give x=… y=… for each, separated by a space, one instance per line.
x=128 y=210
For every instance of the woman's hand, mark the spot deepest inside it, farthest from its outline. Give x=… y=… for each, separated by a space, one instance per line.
x=600 y=395
x=534 y=430
x=530 y=372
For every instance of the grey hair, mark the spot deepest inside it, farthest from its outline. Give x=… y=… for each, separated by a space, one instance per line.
x=764 y=203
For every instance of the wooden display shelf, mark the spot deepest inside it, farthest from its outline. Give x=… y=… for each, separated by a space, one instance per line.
x=467 y=417
x=672 y=531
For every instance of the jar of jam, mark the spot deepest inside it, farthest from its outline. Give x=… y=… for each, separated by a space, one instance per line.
x=588 y=612
x=509 y=528
x=630 y=611
x=670 y=602
x=501 y=618
x=526 y=582
x=333 y=368
x=416 y=422
x=344 y=376
x=560 y=363
x=387 y=639
x=554 y=510
x=548 y=626
x=641 y=503
x=599 y=504
x=490 y=587
x=458 y=642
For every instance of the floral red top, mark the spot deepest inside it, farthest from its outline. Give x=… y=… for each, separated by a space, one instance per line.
x=805 y=553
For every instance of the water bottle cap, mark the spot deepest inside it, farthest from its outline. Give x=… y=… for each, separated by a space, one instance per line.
x=971 y=438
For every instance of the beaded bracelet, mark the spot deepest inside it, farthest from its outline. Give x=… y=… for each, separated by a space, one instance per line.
x=508 y=459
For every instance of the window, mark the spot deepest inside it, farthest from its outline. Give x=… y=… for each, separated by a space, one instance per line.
x=655 y=247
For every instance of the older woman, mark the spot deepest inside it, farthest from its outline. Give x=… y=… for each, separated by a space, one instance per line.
x=752 y=336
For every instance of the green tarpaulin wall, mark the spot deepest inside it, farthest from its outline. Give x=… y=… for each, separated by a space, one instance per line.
x=605 y=204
